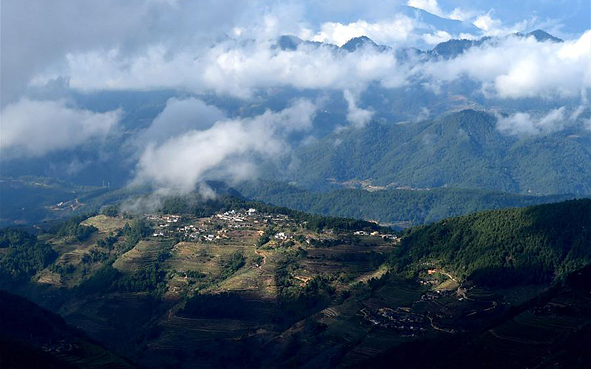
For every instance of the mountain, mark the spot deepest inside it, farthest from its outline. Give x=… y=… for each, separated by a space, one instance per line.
x=453 y=48
x=289 y=42
x=463 y=149
x=429 y=21
x=388 y=205
x=232 y=283
x=448 y=49
x=551 y=330
x=504 y=247
x=362 y=42
x=541 y=36
x=30 y=200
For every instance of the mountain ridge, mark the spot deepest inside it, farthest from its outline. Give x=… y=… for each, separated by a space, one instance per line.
x=462 y=149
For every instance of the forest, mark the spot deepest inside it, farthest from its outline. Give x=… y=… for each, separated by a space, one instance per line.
x=503 y=247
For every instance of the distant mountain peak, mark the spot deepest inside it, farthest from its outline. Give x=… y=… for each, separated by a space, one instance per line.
x=289 y=42
x=541 y=36
x=455 y=47
x=362 y=41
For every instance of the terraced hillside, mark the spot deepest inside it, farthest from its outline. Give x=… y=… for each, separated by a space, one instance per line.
x=229 y=283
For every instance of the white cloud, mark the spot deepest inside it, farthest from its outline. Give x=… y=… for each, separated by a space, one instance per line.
x=34 y=128
x=180 y=116
x=226 y=150
x=231 y=68
x=462 y=14
x=509 y=68
x=436 y=38
x=520 y=124
x=357 y=116
x=518 y=67
x=495 y=27
x=430 y=6
x=390 y=32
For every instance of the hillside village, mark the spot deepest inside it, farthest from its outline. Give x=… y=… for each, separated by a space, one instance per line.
x=227 y=225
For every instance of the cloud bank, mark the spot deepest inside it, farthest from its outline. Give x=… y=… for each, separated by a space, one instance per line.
x=509 y=68
x=35 y=128
x=227 y=150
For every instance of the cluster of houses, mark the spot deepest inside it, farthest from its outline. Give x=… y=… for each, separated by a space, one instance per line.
x=234 y=217
x=282 y=236
x=165 y=218
x=61 y=347
x=401 y=320
x=220 y=226
x=390 y=237
x=214 y=228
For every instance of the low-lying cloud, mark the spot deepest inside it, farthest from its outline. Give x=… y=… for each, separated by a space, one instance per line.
x=232 y=68
x=355 y=115
x=34 y=128
x=180 y=116
x=524 y=124
x=227 y=150
x=517 y=67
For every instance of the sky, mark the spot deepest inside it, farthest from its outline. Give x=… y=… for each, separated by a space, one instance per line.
x=229 y=48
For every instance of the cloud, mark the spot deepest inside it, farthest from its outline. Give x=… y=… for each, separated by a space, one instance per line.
x=436 y=38
x=36 y=35
x=180 y=116
x=495 y=27
x=34 y=128
x=227 y=150
x=355 y=115
x=390 y=32
x=524 y=124
x=430 y=6
x=230 y=68
x=462 y=14
x=517 y=67
x=508 y=68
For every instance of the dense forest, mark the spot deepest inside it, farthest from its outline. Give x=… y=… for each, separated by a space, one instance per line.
x=22 y=255
x=463 y=149
x=504 y=247
x=390 y=205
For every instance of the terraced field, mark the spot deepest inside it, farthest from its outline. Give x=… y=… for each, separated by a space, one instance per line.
x=144 y=254
x=105 y=224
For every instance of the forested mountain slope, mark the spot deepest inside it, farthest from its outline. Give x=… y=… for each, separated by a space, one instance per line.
x=463 y=149
x=505 y=247
x=389 y=206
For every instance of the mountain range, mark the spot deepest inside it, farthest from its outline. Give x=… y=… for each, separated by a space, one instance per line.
x=465 y=149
